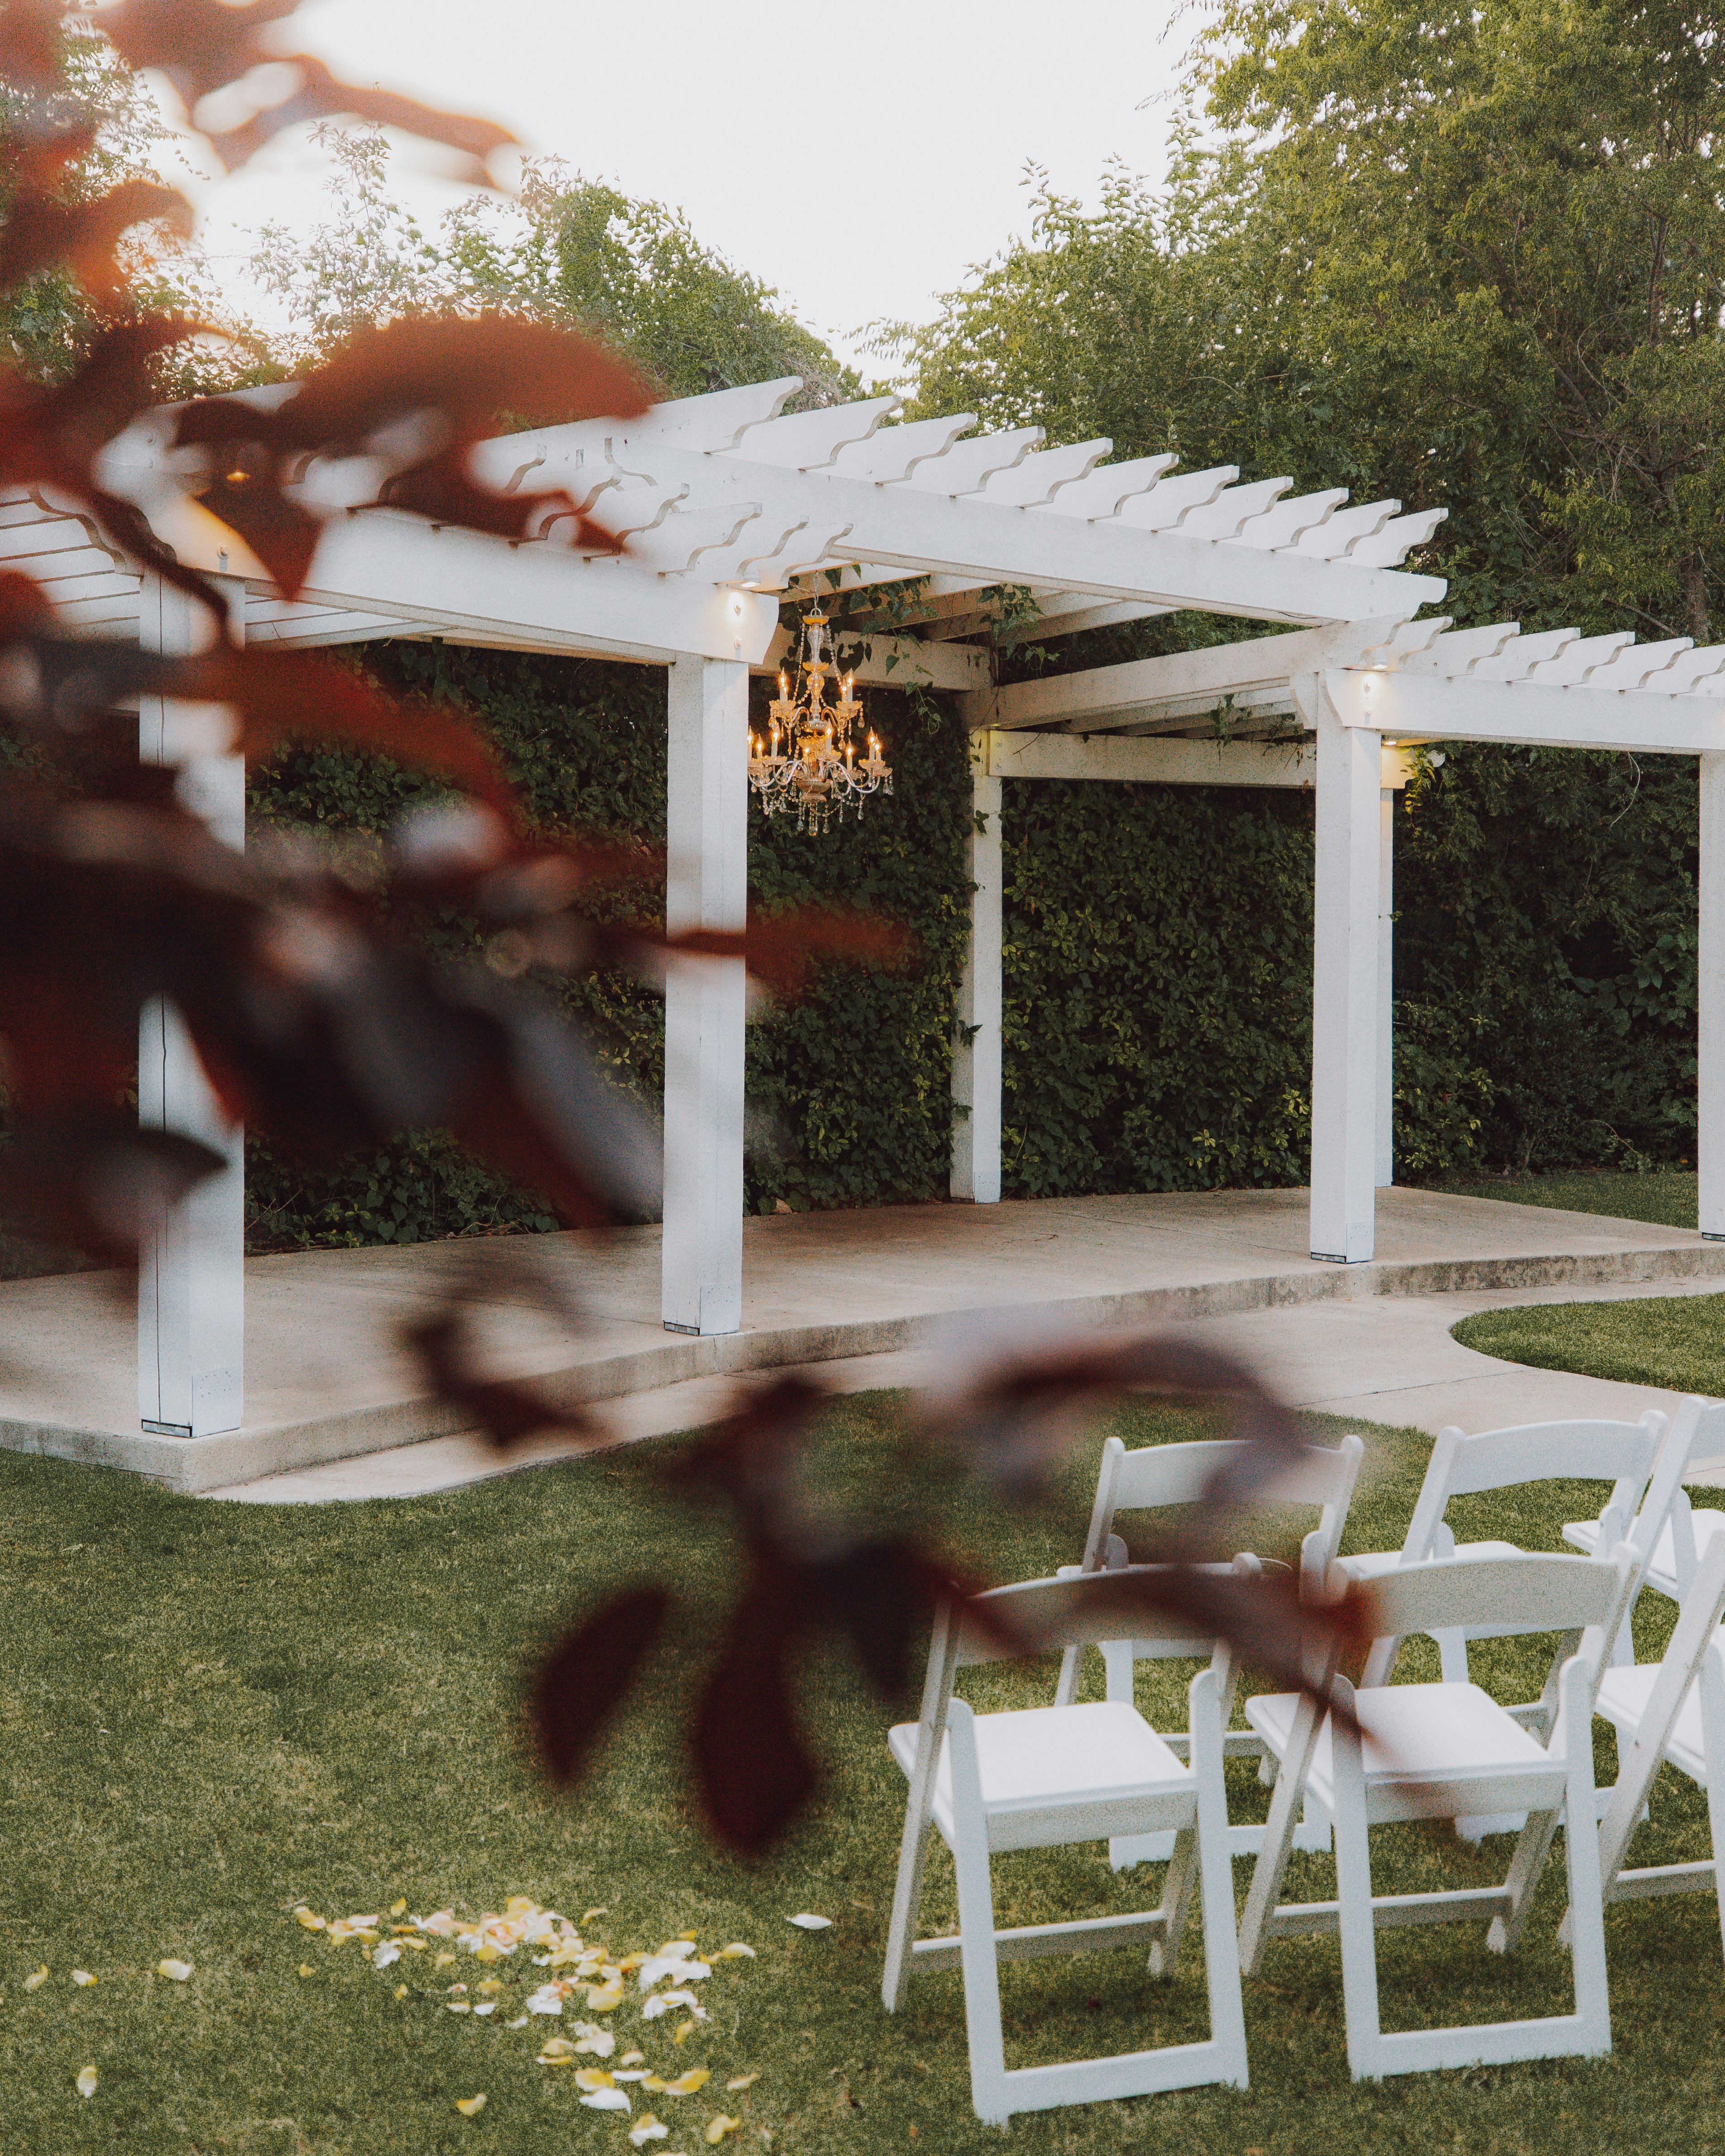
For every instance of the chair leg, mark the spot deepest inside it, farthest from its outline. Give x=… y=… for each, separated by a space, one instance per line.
x=1710 y=1685
x=1354 y=1915
x=1221 y=1950
x=1268 y=1874
x=1176 y=1903
x=906 y=1901
x=1581 y=1847
x=977 y=1957
x=1525 y=1867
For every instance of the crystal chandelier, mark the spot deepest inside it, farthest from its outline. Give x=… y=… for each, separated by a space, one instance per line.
x=809 y=761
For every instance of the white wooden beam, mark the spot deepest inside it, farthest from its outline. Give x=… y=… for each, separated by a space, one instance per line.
x=1410 y=707
x=1156 y=761
x=1383 y=1172
x=976 y=1037
x=706 y=886
x=192 y=1272
x=1346 y=972
x=1104 y=695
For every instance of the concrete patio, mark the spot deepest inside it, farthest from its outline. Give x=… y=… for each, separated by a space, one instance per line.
x=328 y=1380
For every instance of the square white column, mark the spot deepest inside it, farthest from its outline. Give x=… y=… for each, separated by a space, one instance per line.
x=1347 y=968
x=705 y=999
x=1384 y=1172
x=1710 y=1004
x=975 y=1037
x=192 y=1272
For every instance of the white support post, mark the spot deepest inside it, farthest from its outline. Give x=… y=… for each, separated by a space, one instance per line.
x=192 y=1272
x=1346 y=967
x=1384 y=1174
x=706 y=886
x=1710 y=1001
x=976 y=1041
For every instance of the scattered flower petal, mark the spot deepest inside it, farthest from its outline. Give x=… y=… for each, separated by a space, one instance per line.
x=689 y=2084
x=741 y=2081
x=311 y=1923
x=587 y=1915
x=606 y=2099
x=683 y=2031
x=662 y=2002
x=401 y=1991
x=457 y=2006
x=630 y=2074
x=491 y=1984
x=82 y=1978
x=489 y=2007
x=520 y=2022
x=382 y=1956
x=647 y=2128
x=33 y=1982
x=396 y=1909
x=630 y=2058
x=548 y=1999
x=471 y=2107
x=86 y=2081
x=602 y=1999
x=444 y=1961
x=597 y=2040
x=737 y=1951
x=306 y=1969
x=175 y=1971
x=717 y=2128
x=804 y=1921
x=559 y=2051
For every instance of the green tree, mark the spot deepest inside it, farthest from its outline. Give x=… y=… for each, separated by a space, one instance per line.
x=571 y=250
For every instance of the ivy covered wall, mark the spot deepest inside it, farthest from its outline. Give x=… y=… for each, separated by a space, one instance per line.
x=1159 y=965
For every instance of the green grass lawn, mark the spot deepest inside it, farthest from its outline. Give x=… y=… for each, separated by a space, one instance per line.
x=211 y=1713
x=1674 y=1340
x=1667 y=1198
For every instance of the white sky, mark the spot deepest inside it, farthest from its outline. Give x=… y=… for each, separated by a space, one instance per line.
x=861 y=159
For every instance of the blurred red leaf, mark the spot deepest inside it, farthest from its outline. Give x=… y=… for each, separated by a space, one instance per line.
x=783 y=950
x=588 y=1675
x=30 y=43
x=753 y=1769
x=40 y=231
x=93 y=1181
x=464 y=376
x=506 y=1411
x=320 y=96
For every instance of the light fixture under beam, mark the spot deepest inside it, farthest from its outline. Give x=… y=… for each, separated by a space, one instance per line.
x=808 y=762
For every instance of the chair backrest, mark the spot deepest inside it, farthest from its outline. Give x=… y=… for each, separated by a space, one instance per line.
x=1045 y=1616
x=1697 y=1626
x=1621 y=1453
x=1151 y=1476
x=1665 y=1495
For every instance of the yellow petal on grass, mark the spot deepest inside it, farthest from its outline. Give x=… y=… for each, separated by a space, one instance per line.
x=591 y=2077
x=82 y=1978
x=86 y=2081
x=647 y=2128
x=401 y=1991
x=37 y=1978
x=741 y=2081
x=306 y=1969
x=691 y=2083
x=558 y=2052
x=718 y=2128
x=444 y=1961
x=471 y=2107
x=632 y=2058
x=491 y=1984
x=311 y=1922
x=604 y=1997
x=397 y=1908
x=587 y=1915
x=683 y=2031
x=737 y=1951
x=175 y=1971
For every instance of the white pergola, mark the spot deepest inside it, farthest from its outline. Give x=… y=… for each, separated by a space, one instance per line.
x=728 y=505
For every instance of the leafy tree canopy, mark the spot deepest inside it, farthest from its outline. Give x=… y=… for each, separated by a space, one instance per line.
x=1473 y=255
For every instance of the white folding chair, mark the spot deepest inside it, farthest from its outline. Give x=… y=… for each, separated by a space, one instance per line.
x=1038 y=1779
x=1680 y=1536
x=1152 y=1476
x=1673 y=1710
x=1425 y=1751
x=1628 y=1454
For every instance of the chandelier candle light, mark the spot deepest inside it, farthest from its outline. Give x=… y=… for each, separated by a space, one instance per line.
x=816 y=771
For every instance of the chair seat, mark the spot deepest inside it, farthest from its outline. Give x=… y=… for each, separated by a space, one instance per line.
x=1430 y=1752
x=1623 y=1700
x=1372 y=1564
x=1100 y=1757
x=1662 y=1567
